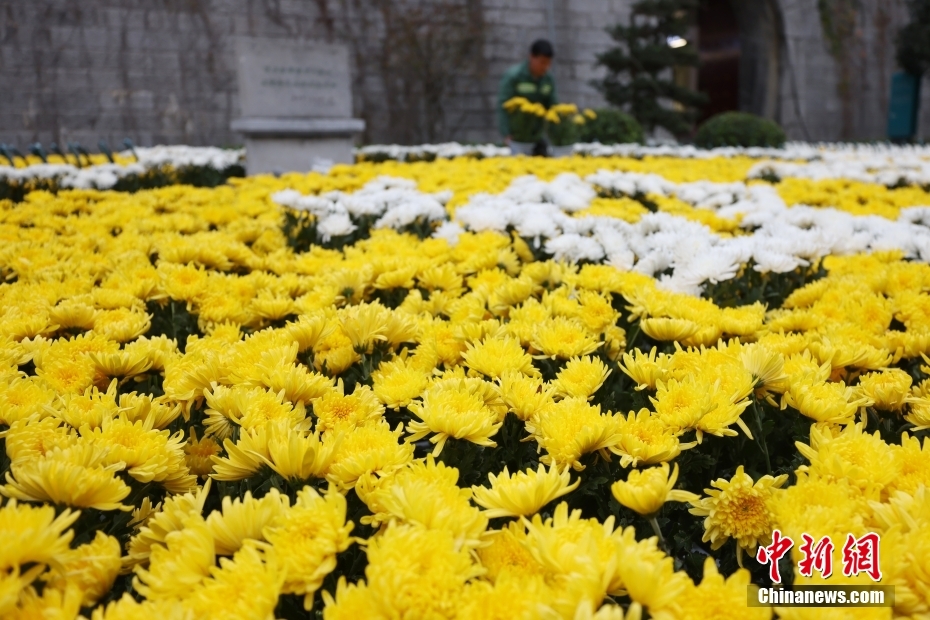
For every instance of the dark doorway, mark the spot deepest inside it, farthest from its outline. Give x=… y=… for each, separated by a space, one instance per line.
x=719 y=50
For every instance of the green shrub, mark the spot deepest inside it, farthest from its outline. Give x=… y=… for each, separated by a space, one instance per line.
x=612 y=126
x=739 y=129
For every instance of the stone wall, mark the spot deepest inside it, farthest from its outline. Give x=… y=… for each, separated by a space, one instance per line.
x=814 y=103
x=163 y=71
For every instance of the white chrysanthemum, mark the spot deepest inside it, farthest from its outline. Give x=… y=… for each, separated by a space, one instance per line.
x=335 y=225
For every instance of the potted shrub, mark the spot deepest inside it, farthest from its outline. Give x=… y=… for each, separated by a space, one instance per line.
x=526 y=124
x=564 y=126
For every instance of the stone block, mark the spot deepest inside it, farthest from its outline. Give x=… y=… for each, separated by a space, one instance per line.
x=292 y=79
x=279 y=155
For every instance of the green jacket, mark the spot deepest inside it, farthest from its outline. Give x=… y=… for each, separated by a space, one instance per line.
x=519 y=82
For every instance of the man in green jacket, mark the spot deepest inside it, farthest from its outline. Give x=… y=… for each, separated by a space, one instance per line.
x=529 y=79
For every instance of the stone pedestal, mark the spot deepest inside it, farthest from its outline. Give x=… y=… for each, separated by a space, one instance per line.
x=278 y=145
x=296 y=102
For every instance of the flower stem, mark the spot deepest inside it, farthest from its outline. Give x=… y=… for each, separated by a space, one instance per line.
x=658 y=532
x=631 y=342
x=758 y=420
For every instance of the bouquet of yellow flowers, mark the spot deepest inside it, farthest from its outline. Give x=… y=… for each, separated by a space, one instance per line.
x=564 y=123
x=527 y=120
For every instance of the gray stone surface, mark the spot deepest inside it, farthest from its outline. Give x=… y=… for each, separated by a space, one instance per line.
x=279 y=155
x=165 y=71
x=255 y=125
x=293 y=79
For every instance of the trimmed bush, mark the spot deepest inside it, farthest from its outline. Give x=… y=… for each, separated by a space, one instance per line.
x=612 y=126
x=739 y=129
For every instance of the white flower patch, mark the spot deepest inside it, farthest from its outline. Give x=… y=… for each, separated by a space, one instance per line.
x=868 y=156
x=684 y=255
x=395 y=202
x=870 y=163
x=335 y=225
x=105 y=176
x=446 y=150
x=181 y=155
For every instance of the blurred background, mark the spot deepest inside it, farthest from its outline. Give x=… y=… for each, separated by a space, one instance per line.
x=164 y=71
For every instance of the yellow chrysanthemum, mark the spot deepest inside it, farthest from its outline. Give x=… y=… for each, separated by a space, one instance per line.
x=309 y=329
x=169 y=516
x=826 y=403
x=581 y=377
x=127 y=608
x=199 y=453
x=122 y=324
x=22 y=397
x=13 y=583
x=423 y=493
x=767 y=368
x=141 y=406
x=89 y=408
x=493 y=357
x=257 y=406
x=506 y=556
x=524 y=493
x=337 y=411
x=453 y=409
x=74 y=476
x=306 y=539
x=245 y=456
x=52 y=603
x=524 y=395
x=365 y=325
x=863 y=459
x=33 y=534
x=564 y=338
x=919 y=414
x=91 y=567
x=33 y=438
x=242 y=588
x=398 y=382
x=913 y=464
x=680 y=405
x=334 y=353
x=149 y=455
x=506 y=599
x=180 y=565
x=644 y=438
x=715 y=597
x=245 y=519
x=369 y=449
x=819 y=507
x=122 y=364
x=580 y=556
x=571 y=428
x=645 y=491
x=413 y=571
x=652 y=581
x=739 y=508
x=351 y=601
x=666 y=329
x=73 y=314
x=888 y=390
x=645 y=369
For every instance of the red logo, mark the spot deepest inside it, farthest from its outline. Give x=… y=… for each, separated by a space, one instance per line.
x=861 y=556
x=816 y=557
x=774 y=552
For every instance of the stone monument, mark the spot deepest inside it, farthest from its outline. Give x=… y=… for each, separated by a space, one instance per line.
x=296 y=102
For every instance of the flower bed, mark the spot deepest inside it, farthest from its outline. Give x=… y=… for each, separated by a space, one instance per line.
x=130 y=171
x=591 y=387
